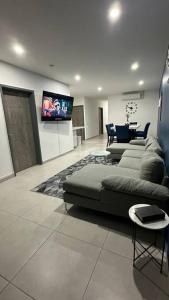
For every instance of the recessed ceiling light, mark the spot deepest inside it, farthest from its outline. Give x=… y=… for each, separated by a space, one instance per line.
x=134 y=66
x=141 y=82
x=99 y=88
x=115 y=12
x=77 y=77
x=18 y=49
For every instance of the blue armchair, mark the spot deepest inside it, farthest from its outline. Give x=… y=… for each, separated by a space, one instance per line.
x=123 y=133
x=144 y=133
x=110 y=133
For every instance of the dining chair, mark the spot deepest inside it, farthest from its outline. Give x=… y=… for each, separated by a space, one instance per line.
x=110 y=133
x=123 y=133
x=143 y=133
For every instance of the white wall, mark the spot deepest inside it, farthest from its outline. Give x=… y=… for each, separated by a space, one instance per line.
x=91 y=114
x=91 y=119
x=79 y=101
x=147 y=110
x=55 y=138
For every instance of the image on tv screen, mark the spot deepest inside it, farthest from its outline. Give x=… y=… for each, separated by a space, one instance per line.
x=56 y=107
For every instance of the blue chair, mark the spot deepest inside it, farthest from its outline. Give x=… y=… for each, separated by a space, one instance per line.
x=143 y=134
x=123 y=133
x=110 y=133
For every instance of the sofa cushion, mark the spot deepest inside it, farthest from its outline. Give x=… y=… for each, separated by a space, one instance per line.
x=119 y=148
x=130 y=162
x=138 y=142
x=136 y=186
x=87 y=181
x=152 y=167
x=133 y=153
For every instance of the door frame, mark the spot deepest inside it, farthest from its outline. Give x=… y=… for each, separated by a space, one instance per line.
x=100 y=109
x=33 y=118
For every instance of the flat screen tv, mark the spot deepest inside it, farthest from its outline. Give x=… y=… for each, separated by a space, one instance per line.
x=56 y=107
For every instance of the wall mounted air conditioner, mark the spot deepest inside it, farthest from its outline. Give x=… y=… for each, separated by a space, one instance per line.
x=133 y=96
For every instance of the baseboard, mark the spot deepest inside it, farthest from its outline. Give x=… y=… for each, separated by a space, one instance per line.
x=50 y=159
x=92 y=137
x=7 y=177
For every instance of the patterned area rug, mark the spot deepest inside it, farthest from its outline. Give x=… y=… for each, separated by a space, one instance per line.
x=54 y=185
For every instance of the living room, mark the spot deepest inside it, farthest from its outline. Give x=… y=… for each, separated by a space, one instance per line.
x=69 y=188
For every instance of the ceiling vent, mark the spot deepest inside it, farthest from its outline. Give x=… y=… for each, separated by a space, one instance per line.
x=133 y=95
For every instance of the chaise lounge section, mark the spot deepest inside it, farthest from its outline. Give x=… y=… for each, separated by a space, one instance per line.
x=114 y=189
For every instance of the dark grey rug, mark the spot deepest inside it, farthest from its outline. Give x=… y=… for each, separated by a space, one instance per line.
x=54 y=185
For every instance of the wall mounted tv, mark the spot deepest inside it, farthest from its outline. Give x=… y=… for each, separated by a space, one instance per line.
x=56 y=107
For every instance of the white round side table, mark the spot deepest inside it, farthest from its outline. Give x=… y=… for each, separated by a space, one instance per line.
x=155 y=225
x=100 y=153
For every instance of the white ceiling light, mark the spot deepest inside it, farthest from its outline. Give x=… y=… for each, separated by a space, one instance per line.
x=99 y=88
x=114 y=12
x=134 y=66
x=18 y=49
x=77 y=77
x=141 y=82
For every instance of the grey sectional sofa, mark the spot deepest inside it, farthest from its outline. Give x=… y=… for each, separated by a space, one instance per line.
x=136 y=179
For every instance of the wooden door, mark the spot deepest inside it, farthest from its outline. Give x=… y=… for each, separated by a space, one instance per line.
x=100 y=120
x=78 y=119
x=20 y=131
x=78 y=116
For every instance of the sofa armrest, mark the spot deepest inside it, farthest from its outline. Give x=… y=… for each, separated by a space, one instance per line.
x=134 y=186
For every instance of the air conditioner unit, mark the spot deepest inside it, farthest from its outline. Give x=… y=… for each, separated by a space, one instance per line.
x=133 y=96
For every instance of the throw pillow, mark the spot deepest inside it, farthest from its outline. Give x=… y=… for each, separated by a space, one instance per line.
x=135 y=186
x=152 y=168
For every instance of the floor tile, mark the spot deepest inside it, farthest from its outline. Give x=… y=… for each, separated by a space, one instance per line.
x=45 y=214
x=6 y=220
x=114 y=278
x=12 y=293
x=17 y=204
x=119 y=243
x=86 y=231
x=104 y=220
x=3 y=283
x=18 y=243
x=60 y=269
x=152 y=271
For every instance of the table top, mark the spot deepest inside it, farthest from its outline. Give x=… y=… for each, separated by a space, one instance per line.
x=156 y=225
x=100 y=153
x=134 y=126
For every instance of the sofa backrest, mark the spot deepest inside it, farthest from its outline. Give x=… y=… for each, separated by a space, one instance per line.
x=155 y=147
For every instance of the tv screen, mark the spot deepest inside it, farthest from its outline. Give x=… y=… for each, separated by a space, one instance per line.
x=56 y=107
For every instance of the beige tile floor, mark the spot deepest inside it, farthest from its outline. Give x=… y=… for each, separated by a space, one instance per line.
x=47 y=254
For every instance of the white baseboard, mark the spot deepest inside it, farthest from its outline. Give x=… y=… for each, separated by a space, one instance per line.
x=48 y=160
x=7 y=177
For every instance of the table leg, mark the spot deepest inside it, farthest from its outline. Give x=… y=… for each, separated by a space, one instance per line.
x=165 y=242
x=132 y=232
x=134 y=244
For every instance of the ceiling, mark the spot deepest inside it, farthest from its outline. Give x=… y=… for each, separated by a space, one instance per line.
x=77 y=37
